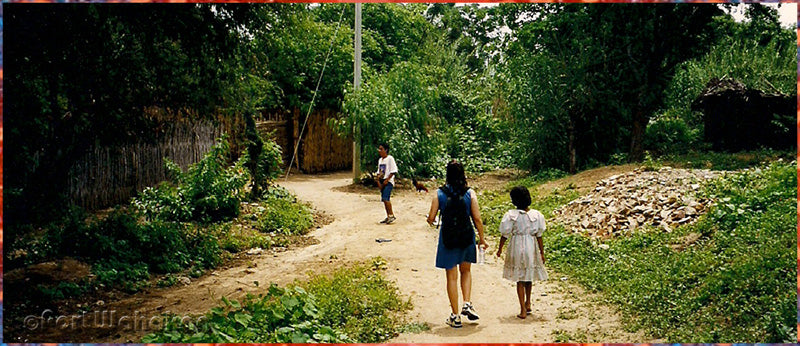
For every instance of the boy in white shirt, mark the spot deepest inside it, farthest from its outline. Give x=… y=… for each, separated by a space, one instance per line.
x=387 y=169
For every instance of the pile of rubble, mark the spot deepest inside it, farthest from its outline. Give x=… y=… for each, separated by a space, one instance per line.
x=622 y=203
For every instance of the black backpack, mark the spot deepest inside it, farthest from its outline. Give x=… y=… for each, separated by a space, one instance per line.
x=457 y=230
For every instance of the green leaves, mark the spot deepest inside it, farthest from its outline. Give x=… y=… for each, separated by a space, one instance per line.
x=208 y=191
x=297 y=315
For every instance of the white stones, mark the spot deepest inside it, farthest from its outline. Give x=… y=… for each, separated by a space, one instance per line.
x=625 y=202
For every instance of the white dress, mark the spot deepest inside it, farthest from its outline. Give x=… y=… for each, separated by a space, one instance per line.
x=523 y=260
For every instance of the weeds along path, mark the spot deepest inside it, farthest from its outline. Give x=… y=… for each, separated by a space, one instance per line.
x=561 y=311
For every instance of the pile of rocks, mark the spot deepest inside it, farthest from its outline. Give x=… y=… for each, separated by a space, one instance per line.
x=622 y=203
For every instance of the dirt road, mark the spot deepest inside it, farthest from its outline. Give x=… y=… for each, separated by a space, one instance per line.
x=561 y=311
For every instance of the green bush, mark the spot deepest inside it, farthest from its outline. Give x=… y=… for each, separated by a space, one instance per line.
x=360 y=302
x=208 y=191
x=280 y=316
x=165 y=247
x=284 y=217
x=669 y=136
x=261 y=158
x=351 y=306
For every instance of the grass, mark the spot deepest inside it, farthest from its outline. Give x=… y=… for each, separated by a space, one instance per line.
x=735 y=283
x=354 y=304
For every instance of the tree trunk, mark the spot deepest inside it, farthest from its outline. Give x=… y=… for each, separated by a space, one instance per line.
x=571 y=130
x=637 y=135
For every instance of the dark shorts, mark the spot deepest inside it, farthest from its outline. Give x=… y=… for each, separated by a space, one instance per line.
x=386 y=192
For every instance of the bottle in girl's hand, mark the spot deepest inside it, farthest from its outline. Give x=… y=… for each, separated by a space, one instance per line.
x=481 y=255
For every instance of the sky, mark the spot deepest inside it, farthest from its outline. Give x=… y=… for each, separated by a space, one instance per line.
x=787 y=12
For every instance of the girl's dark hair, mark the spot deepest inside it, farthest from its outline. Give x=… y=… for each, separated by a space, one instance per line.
x=521 y=197
x=456 y=178
x=385 y=146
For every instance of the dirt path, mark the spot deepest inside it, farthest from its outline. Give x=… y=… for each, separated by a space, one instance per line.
x=561 y=310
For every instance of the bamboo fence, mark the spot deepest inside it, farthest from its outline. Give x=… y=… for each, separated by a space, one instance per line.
x=321 y=149
x=106 y=176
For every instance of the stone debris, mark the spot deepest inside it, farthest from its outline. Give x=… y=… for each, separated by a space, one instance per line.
x=622 y=203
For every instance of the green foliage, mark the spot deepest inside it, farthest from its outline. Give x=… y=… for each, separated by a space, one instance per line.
x=208 y=191
x=353 y=305
x=282 y=315
x=234 y=238
x=288 y=50
x=262 y=159
x=119 y=241
x=127 y=276
x=670 y=135
x=61 y=291
x=283 y=217
x=360 y=302
x=429 y=111
x=736 y=282
x=394 y=108
x=771 y=67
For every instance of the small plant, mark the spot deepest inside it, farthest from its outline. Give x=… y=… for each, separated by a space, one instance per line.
x=283 y=217
x=168 y=281
x=62 y=290
x=651 y=164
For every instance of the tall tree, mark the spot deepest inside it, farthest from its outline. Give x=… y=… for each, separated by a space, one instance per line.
x=608 y=65
x=644 y=44
x=83 y=74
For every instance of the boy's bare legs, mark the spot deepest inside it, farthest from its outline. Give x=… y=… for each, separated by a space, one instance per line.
x=523 y=312
x=388 y=206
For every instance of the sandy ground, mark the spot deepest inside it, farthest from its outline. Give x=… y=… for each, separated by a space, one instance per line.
x=561 y=310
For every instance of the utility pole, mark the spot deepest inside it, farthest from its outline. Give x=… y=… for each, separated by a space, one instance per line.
x=357 y=86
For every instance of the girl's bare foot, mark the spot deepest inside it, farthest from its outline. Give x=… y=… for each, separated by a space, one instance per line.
x=528 y=307
x=522 y=315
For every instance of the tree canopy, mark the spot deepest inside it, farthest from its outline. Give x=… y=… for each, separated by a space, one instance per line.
x=537 y=86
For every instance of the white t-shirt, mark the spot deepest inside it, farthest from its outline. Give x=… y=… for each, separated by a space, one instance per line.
x=387 y=166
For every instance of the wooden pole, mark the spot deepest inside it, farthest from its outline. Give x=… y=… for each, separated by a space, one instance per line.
x=357 y=85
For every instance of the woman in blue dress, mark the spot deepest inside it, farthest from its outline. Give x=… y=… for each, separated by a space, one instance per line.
x=455 y=260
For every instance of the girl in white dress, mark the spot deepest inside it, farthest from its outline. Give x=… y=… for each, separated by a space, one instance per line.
x=524 y=262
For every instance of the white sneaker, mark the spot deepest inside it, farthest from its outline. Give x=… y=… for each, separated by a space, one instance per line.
x=454 y=321
x=469 y=311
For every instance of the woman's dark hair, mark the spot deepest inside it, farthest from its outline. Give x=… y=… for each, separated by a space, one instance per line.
x=385 y=146
x=520 y=197
x=456 y=178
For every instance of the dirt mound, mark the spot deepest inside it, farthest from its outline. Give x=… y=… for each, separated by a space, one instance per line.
x=622 y=203
x=63 y=270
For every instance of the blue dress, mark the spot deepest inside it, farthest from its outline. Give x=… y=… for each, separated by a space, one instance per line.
x=449 y=258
